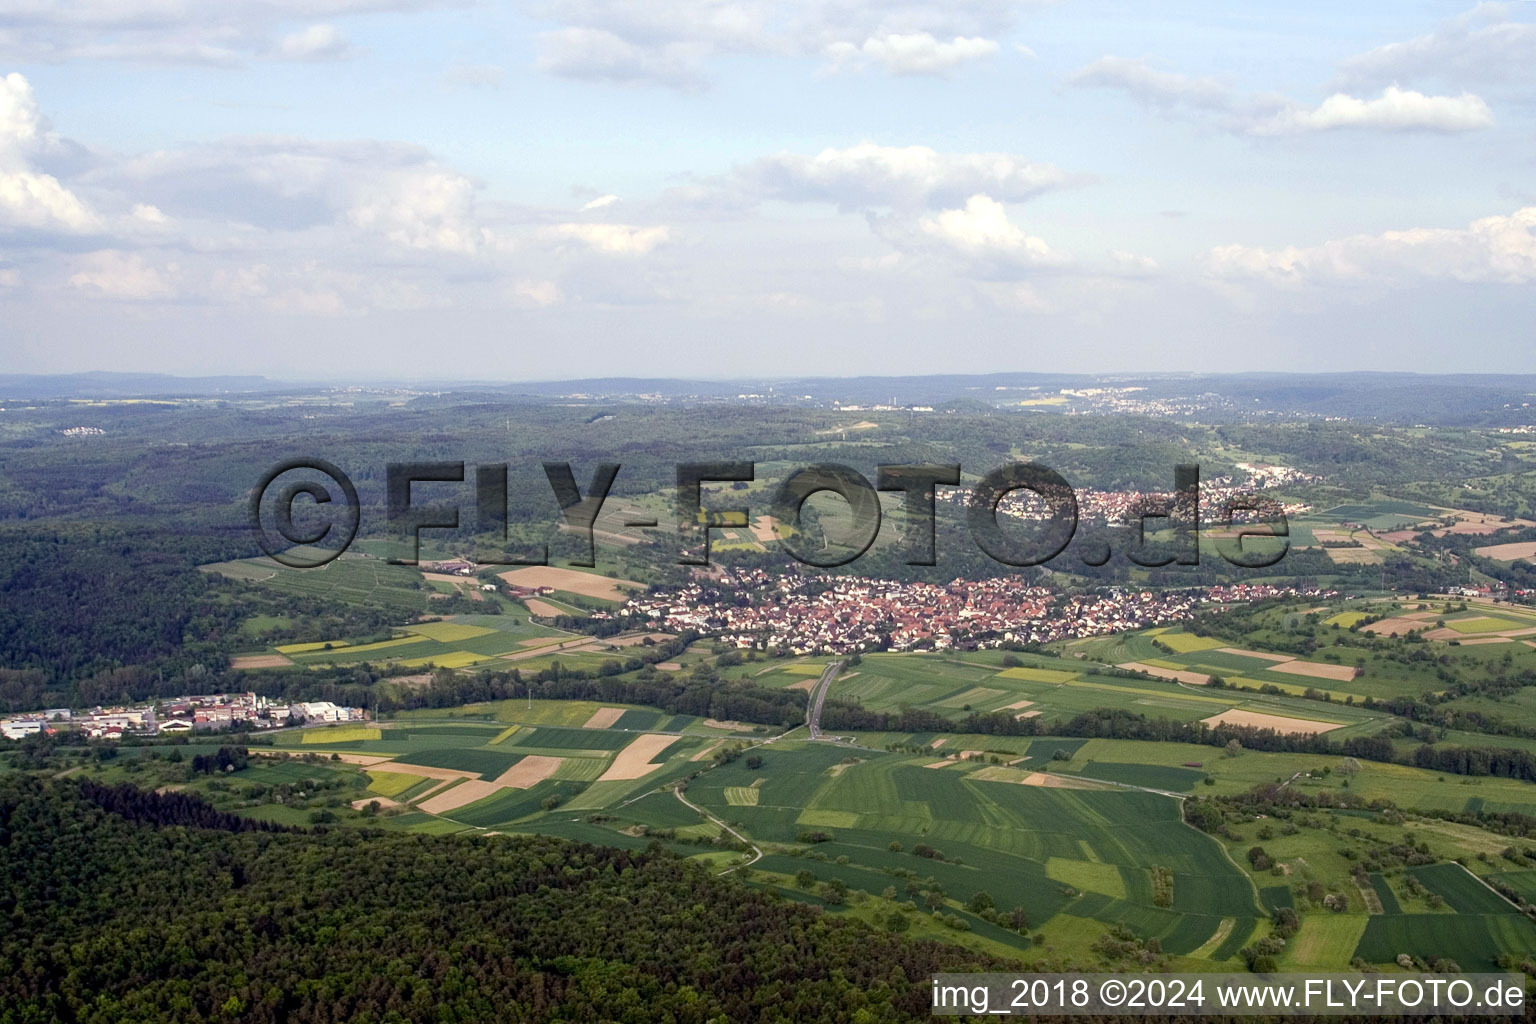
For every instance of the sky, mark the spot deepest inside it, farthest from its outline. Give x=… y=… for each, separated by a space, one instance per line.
x=546 y=189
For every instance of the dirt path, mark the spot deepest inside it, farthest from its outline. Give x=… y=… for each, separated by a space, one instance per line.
x=757 y=853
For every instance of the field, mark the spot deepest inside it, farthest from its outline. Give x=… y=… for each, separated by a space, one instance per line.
x=571 y=581
x=353 y=578
x=456 y=642
x=1509 y=552
x=1074 y=833
x=1482 y=924
x=955 y=685
x=482 y=766
x=1076 y=854
x=1077 y=834
x=1385 y=514
x=340 y=734
x=1068 y=857
x=1337 y=669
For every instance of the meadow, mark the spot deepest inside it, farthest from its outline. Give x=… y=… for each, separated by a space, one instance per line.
x=955 y=685
x=1076 y=834
x=457 y=641
x=354 y=578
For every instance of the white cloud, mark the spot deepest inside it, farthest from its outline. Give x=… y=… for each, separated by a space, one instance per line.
x=1394 y=110
x=9 y=277
x=1140 y=80
x=150 y=215
x=317 y=42
x=1482 y=45
x=671 y=42
x=1494 y=249
x=536 y=293
x=21 y=122
x=618 y=239
x=126 y=277
x=600 y=202
x=222 y=33
x=388 y=191
x=423 y=208
x=600 y=55
x=38 y=201
x=871 y=175
x=915 y=53
x=29 y=198
x=982 y=228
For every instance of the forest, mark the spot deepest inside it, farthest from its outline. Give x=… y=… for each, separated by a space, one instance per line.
x=124 y=906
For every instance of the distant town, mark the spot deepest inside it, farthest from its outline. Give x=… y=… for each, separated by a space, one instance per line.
x=750 y=608
x=168 y=717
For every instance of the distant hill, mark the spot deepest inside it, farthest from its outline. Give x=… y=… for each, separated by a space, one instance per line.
x=124 y=385
x=1399 y=398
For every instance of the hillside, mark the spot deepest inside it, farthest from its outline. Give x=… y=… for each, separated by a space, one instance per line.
x=111 y=919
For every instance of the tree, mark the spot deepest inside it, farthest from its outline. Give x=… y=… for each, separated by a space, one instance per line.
x=1232 y=749
x=1349 y=766
x=980 y=901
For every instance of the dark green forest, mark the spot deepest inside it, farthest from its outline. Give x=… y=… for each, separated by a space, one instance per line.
x=123 y=906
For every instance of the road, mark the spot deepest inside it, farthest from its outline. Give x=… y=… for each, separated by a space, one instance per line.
x=757 y=853
x=819 y=697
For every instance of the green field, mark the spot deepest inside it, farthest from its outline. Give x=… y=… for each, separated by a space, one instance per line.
x=456 y=642
x=955 y=685
x=1078 y=834
x=1474 y=941
x=1383 y=514
x=353 y=578
x=1079 y=853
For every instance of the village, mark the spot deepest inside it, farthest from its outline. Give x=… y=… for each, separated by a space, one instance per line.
x=749 y=608
x=1119 y=508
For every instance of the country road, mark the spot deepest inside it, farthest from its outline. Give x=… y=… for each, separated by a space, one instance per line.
x=819 y=697
x=757 y=853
